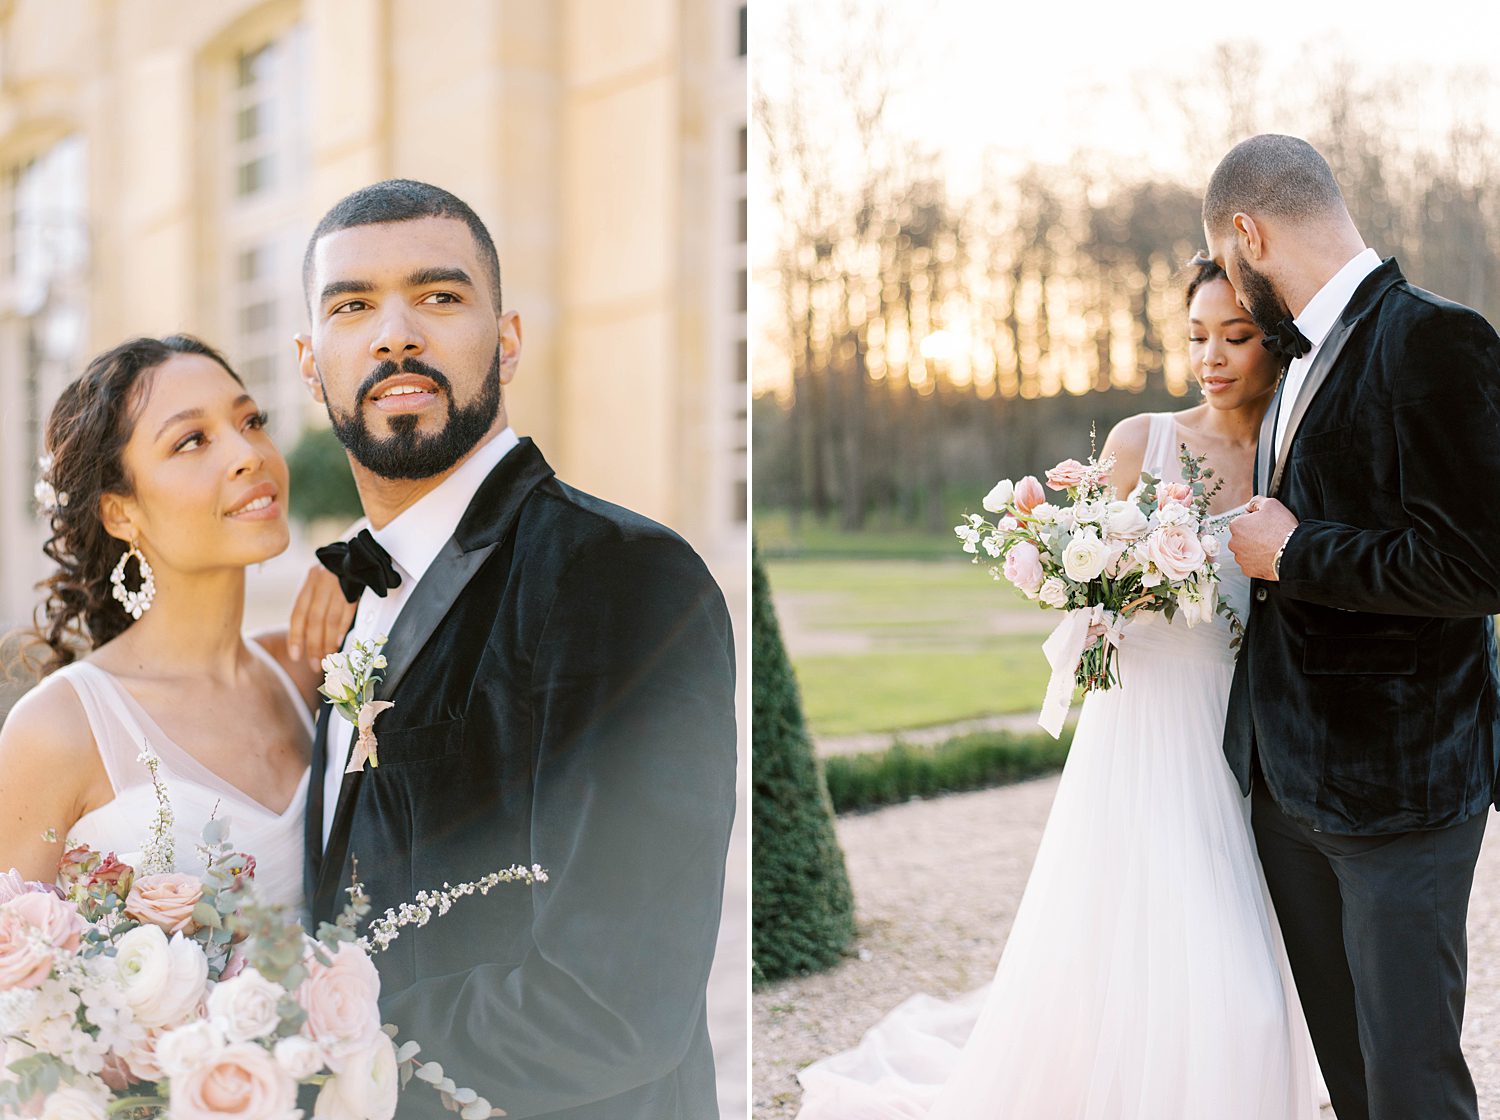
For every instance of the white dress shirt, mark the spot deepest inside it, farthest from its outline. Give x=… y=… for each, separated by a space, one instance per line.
x=413 y=538
x=1316 y=320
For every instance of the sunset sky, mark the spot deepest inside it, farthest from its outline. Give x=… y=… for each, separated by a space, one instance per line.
x=1019 y=83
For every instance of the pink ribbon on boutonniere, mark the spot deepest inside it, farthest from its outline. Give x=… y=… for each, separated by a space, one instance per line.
x=364 y=746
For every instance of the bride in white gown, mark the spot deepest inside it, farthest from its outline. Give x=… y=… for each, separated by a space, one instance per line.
x=158 y=452
x=1143 y=978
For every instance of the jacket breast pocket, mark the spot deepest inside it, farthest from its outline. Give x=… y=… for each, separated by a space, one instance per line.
x=1311 y=445
x=1351 y=656
x=426 y=743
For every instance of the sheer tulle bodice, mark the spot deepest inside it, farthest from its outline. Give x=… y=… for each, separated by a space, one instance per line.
x=1143 y=977
x=121 y=727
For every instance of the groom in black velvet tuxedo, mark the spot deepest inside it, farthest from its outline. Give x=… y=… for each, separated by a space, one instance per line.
x=563 y=680
x=1365 y=709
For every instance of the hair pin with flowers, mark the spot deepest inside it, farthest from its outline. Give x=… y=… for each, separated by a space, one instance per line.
x=49 y=499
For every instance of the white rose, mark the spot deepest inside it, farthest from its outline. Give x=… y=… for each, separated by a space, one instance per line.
x=1054 y=592
x=76 y=1102
x=1000 y=497
x=163 y=979
x=1176 y=552
x=338 y=681
x=299 y=1055
x=1067 y=519
x=1089 y=511
x=1085 y=556
x=1124 y=519
x=1045 y=512
x=1210 y=545
x=245 y=1007
x=365 y=1086
x=183 y=1049
x=1173 y=514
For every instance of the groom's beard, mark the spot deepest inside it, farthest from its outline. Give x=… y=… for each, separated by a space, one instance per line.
x=406 y=453
x=1259 y=296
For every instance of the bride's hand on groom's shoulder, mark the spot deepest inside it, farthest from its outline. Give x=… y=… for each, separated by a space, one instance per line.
x=321 y=616
x=1257 y=535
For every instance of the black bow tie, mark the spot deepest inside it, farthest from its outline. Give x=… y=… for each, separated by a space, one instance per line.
x=359 y=564
x=1286 y=341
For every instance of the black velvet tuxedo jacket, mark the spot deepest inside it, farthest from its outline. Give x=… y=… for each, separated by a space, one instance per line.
x=1367 y=678
x=563 y=680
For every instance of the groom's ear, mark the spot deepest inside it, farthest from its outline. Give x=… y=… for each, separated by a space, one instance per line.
x=308 y=367
x=1250 y=235
x=510 y=346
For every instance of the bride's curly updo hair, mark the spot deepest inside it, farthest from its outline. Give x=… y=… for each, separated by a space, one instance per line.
x=85 y=442
x=1199 y=271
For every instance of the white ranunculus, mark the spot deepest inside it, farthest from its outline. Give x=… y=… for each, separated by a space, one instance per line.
x=365 y=1086
x=245 y=1007
x=1089 y=511
x=75 y=1102
x=1124 y=519
x=299 y=1055
x=1000 y=497
x=163 y=979
x=1054 y=592
x=1085 y=556
x=1045 y=512
x=183 y=1049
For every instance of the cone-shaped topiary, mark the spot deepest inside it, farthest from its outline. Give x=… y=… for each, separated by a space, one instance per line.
x=803 y=911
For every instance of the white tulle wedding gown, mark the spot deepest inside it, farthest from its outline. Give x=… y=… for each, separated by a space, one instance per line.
x=121 y=726
x=1143 y=978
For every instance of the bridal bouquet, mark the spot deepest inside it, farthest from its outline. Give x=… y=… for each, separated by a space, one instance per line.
x=1102 y=558
x=145 y=993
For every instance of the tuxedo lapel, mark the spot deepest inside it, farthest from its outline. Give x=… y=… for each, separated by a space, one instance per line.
x=1322 y=365
x=1265 y=444
x=486 y=522
x=312 y=820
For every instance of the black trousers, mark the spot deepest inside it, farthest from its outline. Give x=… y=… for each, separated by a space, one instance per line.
x=1375 y=933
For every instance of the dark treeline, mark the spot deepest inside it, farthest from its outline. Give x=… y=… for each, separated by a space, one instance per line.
x=935 y=343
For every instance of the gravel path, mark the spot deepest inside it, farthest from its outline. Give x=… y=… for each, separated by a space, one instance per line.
x=937 y=883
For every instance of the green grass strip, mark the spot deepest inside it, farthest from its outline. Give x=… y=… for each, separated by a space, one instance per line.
x=977 y=761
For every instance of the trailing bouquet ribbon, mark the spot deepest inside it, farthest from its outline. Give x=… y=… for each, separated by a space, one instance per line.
x=1064 y=650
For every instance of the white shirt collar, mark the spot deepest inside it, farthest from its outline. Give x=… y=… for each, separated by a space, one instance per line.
x=1323 y=310
x=417 y=534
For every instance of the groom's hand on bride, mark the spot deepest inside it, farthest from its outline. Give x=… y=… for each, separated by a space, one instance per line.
x=321 y=617
x=1258 y=534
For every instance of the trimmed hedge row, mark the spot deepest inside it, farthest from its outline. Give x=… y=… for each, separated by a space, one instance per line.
x=976 y=761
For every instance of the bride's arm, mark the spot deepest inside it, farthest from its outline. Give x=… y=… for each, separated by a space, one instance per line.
x=1127 y=443
x=48 y=767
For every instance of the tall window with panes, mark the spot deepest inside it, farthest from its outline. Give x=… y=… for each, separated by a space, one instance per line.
x=263 y=186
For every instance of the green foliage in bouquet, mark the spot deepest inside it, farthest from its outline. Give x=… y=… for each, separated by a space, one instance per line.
x=322 y=484
x=803 y=909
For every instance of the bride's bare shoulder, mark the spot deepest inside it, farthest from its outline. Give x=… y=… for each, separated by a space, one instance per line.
x=48 y=719
x=1127 y=443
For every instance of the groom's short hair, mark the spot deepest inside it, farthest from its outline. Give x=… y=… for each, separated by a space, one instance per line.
x=1277 y=176
x=402 y=200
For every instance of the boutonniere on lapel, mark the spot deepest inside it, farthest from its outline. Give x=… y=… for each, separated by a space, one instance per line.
x=349 y=681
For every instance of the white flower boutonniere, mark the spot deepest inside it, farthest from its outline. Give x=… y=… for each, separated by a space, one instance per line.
x=349 y=681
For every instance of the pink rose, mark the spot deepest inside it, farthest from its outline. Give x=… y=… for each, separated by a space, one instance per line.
x=241 y=1080
x=32 y=924
x=1176 y=552
x=1023 y=567
x=1029 y=494
x=1179 y=492
x=1066 y=475
x=341 y=1000
x=166 y=901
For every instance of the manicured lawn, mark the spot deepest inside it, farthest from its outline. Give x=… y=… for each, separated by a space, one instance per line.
x=885 y=644
x=844 y=694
